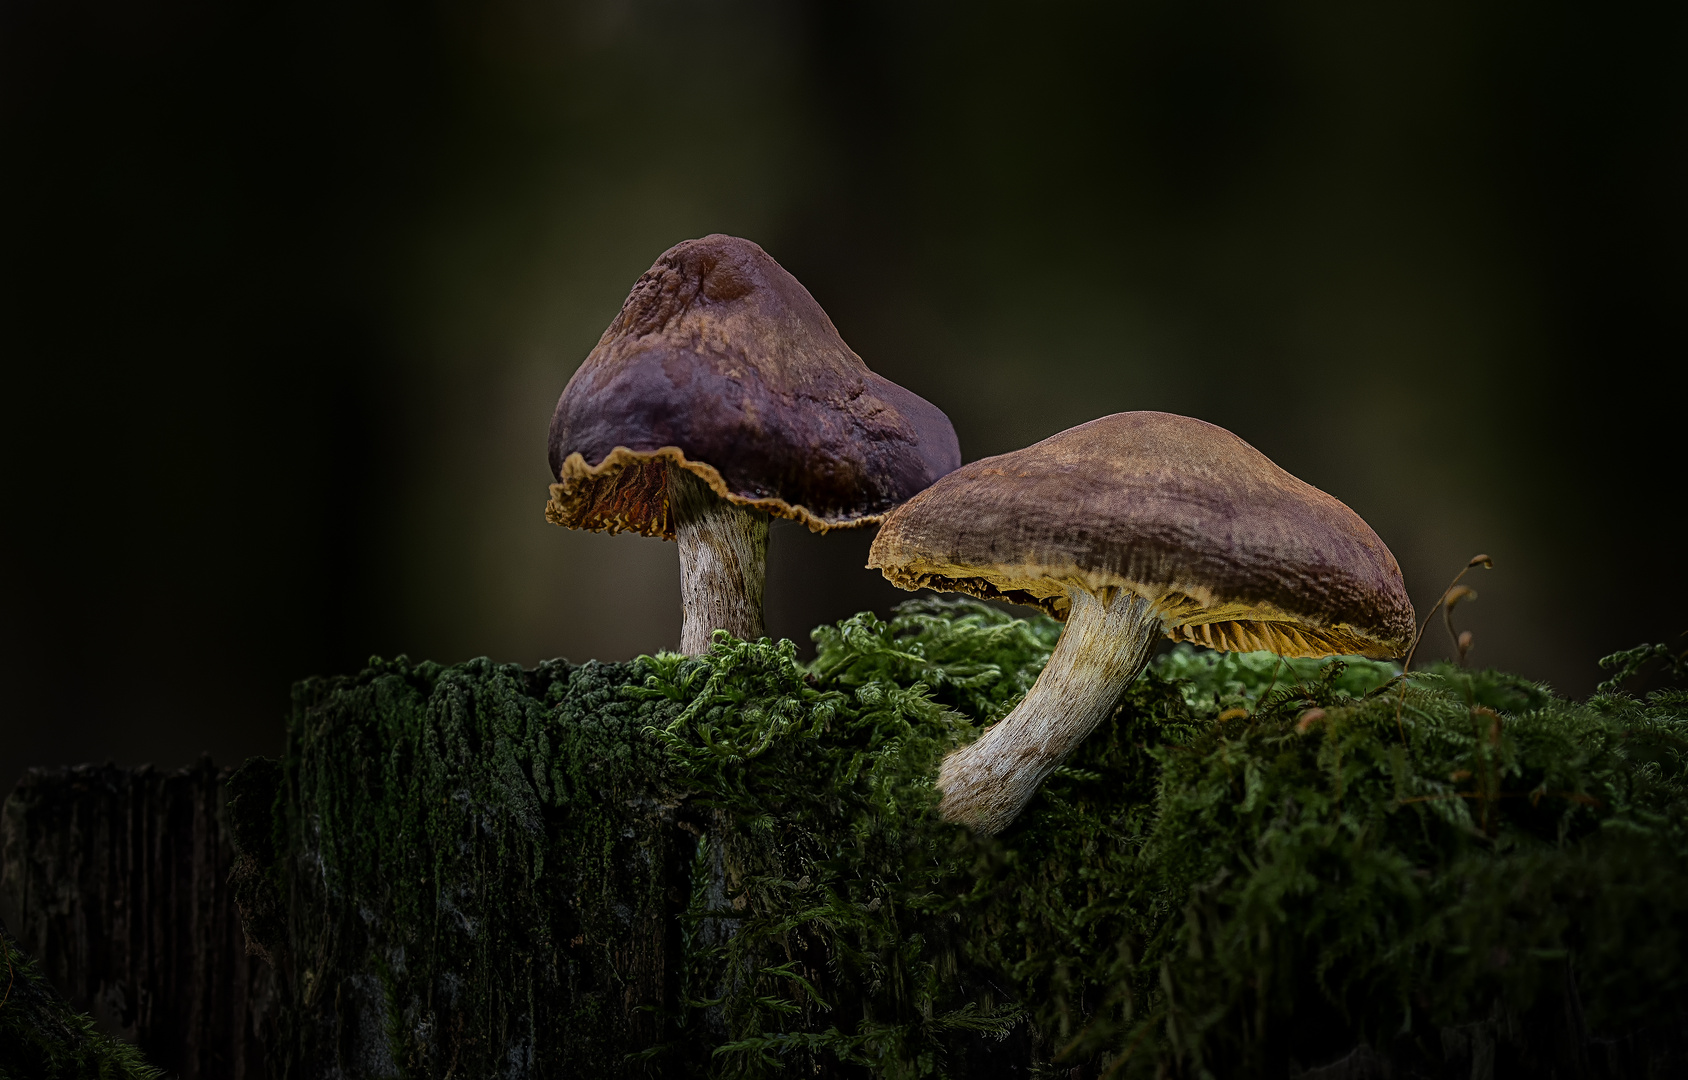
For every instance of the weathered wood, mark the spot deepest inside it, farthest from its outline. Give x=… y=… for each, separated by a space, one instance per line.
x=119 y=877
x=467 y=871
x=481 y=870
x=116 y=881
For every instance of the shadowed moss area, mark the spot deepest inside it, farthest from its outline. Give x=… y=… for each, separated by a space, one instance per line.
x=42 y=1038
x=731 y=865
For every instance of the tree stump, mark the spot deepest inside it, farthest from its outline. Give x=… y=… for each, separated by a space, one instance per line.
x=116 y=882
x=732 y=865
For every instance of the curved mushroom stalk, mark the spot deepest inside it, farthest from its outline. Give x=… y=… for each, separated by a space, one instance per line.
x=1105 y=646
x=723 y=562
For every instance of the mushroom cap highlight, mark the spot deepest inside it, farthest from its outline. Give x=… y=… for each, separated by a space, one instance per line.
x=721 y=363
x=1234 y=552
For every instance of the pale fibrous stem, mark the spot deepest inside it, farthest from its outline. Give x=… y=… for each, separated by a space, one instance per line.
x=723 y=562
x=1107 y=642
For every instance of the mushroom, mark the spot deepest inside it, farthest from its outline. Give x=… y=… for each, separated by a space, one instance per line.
x=1131 y=527
x=720 y=395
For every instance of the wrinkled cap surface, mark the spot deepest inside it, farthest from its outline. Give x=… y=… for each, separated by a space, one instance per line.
x=1236 y=553
x=723 y=364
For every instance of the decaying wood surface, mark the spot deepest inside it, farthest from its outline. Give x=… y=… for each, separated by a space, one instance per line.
x=116 y=882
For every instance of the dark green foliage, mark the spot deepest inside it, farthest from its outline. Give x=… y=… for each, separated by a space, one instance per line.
x=817 y=928
x=42 y=1038
x=970 y=657
x=1672 y=664
x=1185 y=883
x=1389 y=878
x=731 y=865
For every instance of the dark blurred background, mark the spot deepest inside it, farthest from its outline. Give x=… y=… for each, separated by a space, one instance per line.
x=290 y=289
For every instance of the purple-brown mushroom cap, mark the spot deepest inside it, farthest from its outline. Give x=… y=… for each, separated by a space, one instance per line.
x=721 y=363
x=1235 y=552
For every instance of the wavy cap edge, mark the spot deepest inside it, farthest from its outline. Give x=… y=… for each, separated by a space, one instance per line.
x=628 y=492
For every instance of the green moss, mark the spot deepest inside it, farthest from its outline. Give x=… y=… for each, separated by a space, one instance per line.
x=732 y=865
x=467 y=868
x=42 y=1038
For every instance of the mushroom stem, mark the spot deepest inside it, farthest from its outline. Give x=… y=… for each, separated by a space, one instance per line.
x=1105 y=646
x=723 y=562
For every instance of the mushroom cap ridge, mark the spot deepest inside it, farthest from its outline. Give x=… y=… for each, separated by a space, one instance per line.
x=721 y=362
x=1236 y=553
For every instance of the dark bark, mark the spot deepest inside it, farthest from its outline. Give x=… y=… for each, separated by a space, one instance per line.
x=116 y=881
x=426 y=914
x=409 y=911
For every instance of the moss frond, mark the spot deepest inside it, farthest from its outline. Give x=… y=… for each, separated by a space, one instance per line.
x=42 y=1038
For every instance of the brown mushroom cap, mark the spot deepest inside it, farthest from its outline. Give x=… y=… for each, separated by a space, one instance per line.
x=1235 y=552
x=723 y=364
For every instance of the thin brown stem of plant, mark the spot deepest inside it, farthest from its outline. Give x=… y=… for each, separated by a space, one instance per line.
x=1450 y=599
x=1273 y=685
x=1476 y=560
x=1406 y=665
